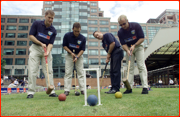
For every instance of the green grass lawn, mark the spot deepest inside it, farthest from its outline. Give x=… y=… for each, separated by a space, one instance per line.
x=159 y=102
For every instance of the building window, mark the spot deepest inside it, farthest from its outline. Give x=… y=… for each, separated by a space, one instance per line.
x=103 y=61
x=92 y=22
x=2 y=27
x=84 y=27
x=32 y=20
x=19 y=71
x=30 y=43
x=10 y=35
x=93 y=52
x=9 y=61
x=22 y=43
x=2 y=20
x=93 y=61
x=85 y=60
x=9 y=43
x=23 y=28
x=10 y=27
x=102 y=22
x=8 y=51
x=104 y=29
x=82 y=20
x=12 y=20
x=23 y=20
x=20 y=51
x=2 y=35
x=82 y=13
x=91 y=36
x=91 y=43
x=47 y=8
x=93 y=15
x=114 y=27
x=93 y=10
x=93 y=4
x=48 y=2
x=7 y=71
x=82 y=7
x=103 y=52
x=22 y=35
x=20 y=61
x=92 y=29
x=114 y=33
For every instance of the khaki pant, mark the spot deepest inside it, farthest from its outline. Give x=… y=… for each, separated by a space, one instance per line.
x=138 y=53
x=69 y=66
x=37 y=54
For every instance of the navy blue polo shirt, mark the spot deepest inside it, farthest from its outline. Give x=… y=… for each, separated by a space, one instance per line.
x=108 y=38
x=74 y=43
x=131 y=36
x=43 y=34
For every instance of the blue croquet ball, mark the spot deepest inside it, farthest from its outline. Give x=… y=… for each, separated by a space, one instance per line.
x=92 y=100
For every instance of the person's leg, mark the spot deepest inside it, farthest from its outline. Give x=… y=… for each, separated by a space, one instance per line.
x=33 y=63
x=139 y=53
x=141 y=66
x=79 y=68
x=116 y=69
x=68 y=72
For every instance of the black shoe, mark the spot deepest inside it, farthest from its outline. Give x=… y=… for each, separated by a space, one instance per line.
x=128 y=91
x=144 y=91
x=108 y=91
x=30 y=96
x=112 y=92
x=82 y=92
x=53 y=95
x=66 y=93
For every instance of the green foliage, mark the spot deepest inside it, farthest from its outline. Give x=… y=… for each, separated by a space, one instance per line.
x=3 y=63
x=159 y=102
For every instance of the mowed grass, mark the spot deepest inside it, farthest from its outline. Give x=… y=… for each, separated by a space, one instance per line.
x=159 y=102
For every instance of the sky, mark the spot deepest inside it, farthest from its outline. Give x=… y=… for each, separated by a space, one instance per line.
x=136 y=11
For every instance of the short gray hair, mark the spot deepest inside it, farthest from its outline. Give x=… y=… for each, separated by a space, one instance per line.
x=121 y=17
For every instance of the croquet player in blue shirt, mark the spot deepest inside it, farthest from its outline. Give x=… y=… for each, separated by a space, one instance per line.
x=114 y=54
x=77 y=42
x=42 y=34
x=129 y=34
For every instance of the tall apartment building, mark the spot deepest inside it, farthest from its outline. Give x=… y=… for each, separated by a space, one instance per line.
x=15 y=42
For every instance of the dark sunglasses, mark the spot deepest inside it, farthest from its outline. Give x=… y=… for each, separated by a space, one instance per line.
x=122 y=24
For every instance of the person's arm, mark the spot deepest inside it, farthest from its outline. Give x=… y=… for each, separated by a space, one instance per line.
x=49 y=48
x=125 y=47
x=111 y=47
x=32 y=38
x=136 y=44
x=68 y=50
x=79 y=54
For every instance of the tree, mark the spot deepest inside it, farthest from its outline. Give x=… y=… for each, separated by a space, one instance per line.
x=3 y=63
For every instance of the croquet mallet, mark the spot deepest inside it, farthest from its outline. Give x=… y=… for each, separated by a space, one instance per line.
x=50 y=87
x=125 y=80
x=76 y=92
x=103 y=75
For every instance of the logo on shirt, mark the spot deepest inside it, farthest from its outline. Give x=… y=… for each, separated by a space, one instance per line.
x=134 y=37
x=50 y=33
x=133 y=32
x=79 y=42
x=128 y=39
x=74 y=46
x=43 y=35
